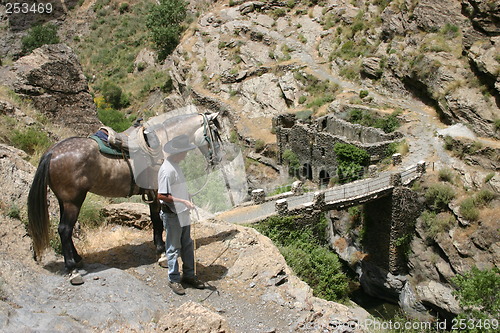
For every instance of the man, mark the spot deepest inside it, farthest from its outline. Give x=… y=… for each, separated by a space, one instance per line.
x=174 y=199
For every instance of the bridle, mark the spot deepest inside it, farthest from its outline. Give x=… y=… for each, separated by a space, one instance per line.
x=212 y=137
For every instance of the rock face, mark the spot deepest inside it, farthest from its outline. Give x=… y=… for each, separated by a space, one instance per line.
x=236 y=50
x=52 y=78
x=16 y=177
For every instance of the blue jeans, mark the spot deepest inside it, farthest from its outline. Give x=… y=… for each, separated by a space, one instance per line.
x=178 y=243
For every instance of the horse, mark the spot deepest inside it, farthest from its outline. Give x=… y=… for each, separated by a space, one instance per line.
x=75 y=166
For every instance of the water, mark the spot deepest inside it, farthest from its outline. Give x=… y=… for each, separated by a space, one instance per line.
x=377 y=307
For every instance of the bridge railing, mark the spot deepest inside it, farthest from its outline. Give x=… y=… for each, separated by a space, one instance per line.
x=358 y=188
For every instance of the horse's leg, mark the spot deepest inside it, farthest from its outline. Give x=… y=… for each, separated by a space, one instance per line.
x=69 y=214
x=154 y=210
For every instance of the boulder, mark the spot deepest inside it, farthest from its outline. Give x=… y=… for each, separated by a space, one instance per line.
x=193 y=317
x=129 y=214
x=16 y=177
x=52 y=78
x=432 y=15
x=371 y=67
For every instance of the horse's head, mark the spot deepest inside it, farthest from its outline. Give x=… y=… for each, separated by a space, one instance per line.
x=208 y=139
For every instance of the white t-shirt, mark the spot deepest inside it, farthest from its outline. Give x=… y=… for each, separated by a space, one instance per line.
x=171 y=181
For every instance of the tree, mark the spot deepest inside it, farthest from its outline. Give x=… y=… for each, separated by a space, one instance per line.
x=165 y=25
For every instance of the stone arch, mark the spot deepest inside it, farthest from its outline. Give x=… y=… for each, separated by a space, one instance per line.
x=324 y=178
x=307 y=171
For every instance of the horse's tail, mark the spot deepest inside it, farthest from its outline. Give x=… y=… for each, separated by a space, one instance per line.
x=38 y=213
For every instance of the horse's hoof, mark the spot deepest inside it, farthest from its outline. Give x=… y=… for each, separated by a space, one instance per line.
x=75 y=278
x=163 y=261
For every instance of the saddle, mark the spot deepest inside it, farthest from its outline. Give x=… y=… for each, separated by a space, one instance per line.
x=139 y=146
x=136 y=139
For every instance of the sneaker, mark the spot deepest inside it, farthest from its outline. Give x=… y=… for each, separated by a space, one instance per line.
x=194 y=282
x=177 y=288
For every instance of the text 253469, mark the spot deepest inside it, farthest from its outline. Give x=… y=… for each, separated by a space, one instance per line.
x=28 y=8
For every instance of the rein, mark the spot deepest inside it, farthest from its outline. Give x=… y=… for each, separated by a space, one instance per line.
x=210 y=138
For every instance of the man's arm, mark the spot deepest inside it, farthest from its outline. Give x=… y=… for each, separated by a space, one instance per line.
x=170 y=198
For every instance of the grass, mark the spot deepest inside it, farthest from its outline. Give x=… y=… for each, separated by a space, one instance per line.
x=108 y=52
x=387 y=123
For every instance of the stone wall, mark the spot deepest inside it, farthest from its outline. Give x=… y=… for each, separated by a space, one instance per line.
x=314 y=143
x=354 y=132
x=406 y=208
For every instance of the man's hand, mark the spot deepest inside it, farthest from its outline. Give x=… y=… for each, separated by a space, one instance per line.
x=188 y=204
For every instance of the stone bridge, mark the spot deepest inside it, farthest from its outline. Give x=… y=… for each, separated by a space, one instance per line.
x=392 y=213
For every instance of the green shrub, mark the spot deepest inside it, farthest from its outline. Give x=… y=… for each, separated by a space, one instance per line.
x=489 y=177
x=304 y=115
x=387 y=123
x=477 y=293
x=438 y=196
x=114 y=119
x=435 y=224
x=114 y=95
x=351 y=160
x=446 y=175
x=363 y=93
x=484 y=197
x=469 y=207
x=304 y=248
x=291 y=158
x=30 y=140
x=165 y=25
x=448 y=142
x=259 y=145
x=351 y=154
x=91 y=212
x=39 y=35
x=469 y=210
x=14 y=212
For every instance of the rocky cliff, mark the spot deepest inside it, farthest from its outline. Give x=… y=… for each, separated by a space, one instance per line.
x=443 y=52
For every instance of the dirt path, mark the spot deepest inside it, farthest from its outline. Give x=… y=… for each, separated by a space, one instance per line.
x=125 y=290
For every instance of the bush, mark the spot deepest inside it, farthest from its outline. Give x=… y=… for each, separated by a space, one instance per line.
x=114 y=95
x=469 y=210
x=387 y=123
x=304 y=248
x=435 y=224
x=469 y=207
x=484 y=197
x=114 y=119
x=438 y=196
x=446 y=175
x=91 y=212
x=363 y=93
x=39 y=35
x=351 y=160
x=30 y=140
x=347 y=153
x=477 y=293
x=165 y=24
x=292 y=159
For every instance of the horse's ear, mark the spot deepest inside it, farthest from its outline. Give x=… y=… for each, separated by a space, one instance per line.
x=212 y=116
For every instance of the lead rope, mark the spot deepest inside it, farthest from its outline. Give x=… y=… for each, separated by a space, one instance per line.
x=194 y=234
